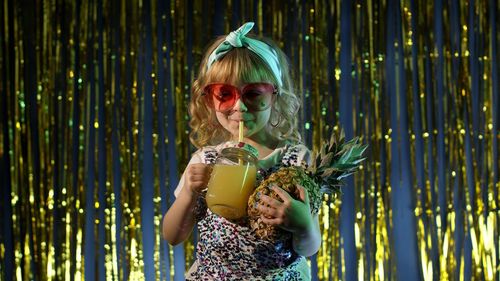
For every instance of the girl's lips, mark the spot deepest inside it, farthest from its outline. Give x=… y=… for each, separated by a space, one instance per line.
x=237 y=116
x=238 y=120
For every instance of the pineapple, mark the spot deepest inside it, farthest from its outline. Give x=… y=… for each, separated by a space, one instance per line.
x=336 y=160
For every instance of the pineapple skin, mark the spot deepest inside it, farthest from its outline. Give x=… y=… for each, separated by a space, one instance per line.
x=287 y=178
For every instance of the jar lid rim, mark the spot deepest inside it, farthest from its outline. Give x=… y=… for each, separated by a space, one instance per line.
x=252 y=151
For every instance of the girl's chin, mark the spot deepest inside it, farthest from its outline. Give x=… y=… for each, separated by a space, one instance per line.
x=236 y=132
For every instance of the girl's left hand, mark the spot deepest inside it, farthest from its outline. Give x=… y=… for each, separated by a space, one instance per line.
x=289 y=214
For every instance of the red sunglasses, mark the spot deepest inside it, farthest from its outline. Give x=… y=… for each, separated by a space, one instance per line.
x=256 y=96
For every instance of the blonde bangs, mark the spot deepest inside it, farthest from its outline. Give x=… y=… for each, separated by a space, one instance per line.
x=239 y=65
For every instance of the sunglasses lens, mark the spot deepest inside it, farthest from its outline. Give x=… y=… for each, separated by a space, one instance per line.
x=258 y=96
x=255 y=96
x=221 y=96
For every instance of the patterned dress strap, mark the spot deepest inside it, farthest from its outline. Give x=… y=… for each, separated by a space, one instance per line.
x=210 y=155
x=291 y=157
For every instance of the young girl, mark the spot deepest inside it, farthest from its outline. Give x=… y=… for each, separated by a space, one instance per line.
x=243 y=78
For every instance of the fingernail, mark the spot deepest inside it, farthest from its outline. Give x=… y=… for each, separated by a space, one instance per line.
x=257 y=195
x=255 y=205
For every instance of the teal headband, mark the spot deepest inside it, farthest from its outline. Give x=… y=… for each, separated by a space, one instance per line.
x=237 y=39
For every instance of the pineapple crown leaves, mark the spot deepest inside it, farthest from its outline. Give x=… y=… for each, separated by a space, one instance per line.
x=336 y=160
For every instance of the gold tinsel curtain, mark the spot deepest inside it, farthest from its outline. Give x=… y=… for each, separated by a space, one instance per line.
x=94 y=126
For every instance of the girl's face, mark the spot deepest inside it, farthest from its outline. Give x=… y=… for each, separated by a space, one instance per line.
x=250 y=103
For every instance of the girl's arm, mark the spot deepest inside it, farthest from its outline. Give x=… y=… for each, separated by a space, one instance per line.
x=294 y=216
x=306 y=242
x=179 y=220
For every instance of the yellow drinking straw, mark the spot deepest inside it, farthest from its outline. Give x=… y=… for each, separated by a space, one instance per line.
x=240 y=139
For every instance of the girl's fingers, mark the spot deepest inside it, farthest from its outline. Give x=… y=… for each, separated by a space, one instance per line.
x=270 y=201
x=282 y=194
x=198 y=178
x=303 y=194
x=266 y=211
x=202 y=169
x=270 y=221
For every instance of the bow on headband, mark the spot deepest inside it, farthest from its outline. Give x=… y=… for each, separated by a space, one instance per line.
x=238 y=39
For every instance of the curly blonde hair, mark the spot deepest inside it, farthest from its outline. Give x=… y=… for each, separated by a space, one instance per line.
x=242 y=65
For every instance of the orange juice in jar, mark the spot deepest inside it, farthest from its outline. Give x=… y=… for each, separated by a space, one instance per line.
x=232 y=182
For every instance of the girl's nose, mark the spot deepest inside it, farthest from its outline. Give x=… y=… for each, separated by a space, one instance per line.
x=240 y=106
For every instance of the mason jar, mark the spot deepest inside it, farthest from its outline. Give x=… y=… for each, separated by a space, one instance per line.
x=232 y=181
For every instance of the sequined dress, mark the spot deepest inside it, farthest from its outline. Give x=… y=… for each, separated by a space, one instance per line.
x=231 y=251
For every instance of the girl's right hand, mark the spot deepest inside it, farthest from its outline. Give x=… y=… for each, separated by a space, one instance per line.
x=196 y=177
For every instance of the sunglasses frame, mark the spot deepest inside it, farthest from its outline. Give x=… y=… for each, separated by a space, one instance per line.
x=241 y=92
